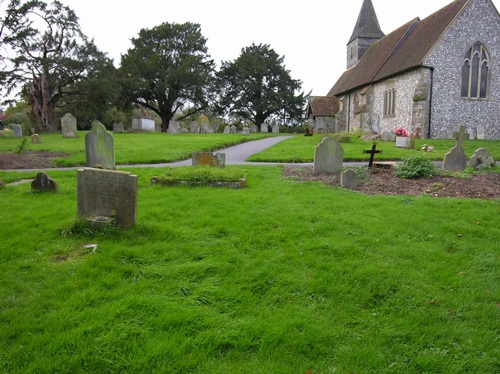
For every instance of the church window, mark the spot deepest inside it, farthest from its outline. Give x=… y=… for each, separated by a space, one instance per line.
x=475 y=72
x=390 y=102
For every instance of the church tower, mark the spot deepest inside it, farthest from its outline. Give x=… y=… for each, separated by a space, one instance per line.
x=366 y=32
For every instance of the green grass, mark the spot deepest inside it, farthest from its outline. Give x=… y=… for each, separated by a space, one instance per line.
x=204 y=173
x=280 y=277
x=130 y=148
x=301 y=149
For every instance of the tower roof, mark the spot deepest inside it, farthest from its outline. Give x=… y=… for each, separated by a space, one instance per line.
x=367 y=24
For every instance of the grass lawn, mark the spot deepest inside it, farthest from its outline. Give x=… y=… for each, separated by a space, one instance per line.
x=301 y=149
x=280 y=277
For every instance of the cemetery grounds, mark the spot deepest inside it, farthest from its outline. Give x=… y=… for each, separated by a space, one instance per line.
x=287 y=275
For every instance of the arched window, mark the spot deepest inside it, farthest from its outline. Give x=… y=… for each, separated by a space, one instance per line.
x=475 y=72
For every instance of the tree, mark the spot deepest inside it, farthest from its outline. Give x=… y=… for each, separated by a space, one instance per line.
x=50 y=55
x=168 y=68
x=256 y=87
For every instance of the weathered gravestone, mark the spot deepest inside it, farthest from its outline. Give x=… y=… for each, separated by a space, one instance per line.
x=227 y=129
x=480 y=132
x=195 y=128
x=264 y=128
x=328 y=156
x=118 y=127
x=173 y=128
x=208 y=158
x=233 y=129
x=206 y=128
x=17 y=130
x=68 y=126
x=349 y=179
x=35 y=139
x=481 y=159
x=100 y=147
x=456 y=159
x=43 y=183
x=253 y=129
x=276 y=129
x=107 y=195
x=388 y=136
x=245 y=131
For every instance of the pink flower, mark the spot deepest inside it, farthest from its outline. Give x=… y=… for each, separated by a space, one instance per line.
x=400 y=132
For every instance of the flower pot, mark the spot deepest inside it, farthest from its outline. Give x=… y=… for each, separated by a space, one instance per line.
x=402 y=142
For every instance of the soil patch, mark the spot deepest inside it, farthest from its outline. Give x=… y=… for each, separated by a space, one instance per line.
x=28 y=160
x=384 y=182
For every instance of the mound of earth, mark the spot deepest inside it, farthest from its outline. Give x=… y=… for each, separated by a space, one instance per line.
x=28 y=160
x=381 y=181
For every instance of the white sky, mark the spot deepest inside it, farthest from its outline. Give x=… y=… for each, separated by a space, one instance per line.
x=311 y=34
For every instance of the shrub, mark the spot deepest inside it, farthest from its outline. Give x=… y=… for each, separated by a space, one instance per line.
x=415 y=167
x=343 y=137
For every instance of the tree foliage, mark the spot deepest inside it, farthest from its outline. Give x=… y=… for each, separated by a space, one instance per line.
x=168 y=68
x=47 y=55
x=257 y=87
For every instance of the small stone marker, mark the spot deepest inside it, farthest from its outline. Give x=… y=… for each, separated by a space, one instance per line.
x=35 y=139
x=69 y=126
x=456 y=159
x=372 y=153
x=107 y=194
x=100 y=147
x=480 y=132
x=207 y=158
x=328 y=156
x=349 y=179
x=17 y=131
x=119 y=127
x=43 y=183
x=481 y=159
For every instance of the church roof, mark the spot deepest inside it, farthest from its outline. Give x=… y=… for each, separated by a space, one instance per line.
x=402 y=50
x=367 y=24
x=323 y=106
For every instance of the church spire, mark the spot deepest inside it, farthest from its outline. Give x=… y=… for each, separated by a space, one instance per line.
x=366 y=32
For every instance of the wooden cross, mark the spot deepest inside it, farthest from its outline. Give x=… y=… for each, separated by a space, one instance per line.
x=372 y=153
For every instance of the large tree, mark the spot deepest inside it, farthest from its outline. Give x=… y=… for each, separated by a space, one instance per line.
x=167 y=69
x=257 y=87
x=47 y=54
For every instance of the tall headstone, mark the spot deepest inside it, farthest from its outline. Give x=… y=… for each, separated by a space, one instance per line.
x=173 y=128
x=43 y=183
x=264 y=128
x=105 y=194
x=100 y=147
x=233 y=129
x=480 y=132
x=17 y=131
x=245 y=131
x=227 y=129
x=195 y=128
x=276 y=129
x=253 y=129
x=69 y=126
x=456 y=159
x=328 y=156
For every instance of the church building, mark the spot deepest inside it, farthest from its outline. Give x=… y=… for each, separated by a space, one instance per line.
x=429 y=76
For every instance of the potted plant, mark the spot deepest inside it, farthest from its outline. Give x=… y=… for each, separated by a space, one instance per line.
x=402 y=139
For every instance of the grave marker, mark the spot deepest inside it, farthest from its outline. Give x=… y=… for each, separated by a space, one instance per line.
x=119 y=127
x=372 y=153
x=328 y=156
x=208 y=158
x=17 y=131
x=35 y=139
x=456 y=159
x=105 y=195
x=69 y=126
x=349 y=179
x=100 y=147
x=481 y=159
x=43 y=183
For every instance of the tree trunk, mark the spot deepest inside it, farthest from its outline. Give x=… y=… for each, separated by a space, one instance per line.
x=165 y=121
x=42 y=107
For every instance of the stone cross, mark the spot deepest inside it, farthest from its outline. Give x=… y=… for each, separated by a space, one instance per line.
x=456 y=159
x=461 y=136
x=372 y=153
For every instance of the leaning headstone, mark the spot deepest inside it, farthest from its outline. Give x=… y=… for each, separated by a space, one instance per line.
x=43 y=183
x=276 y=129
x=195 y=128
x=349 y=179
x=264 y=128
x=17 y=130
x=328 y=156
x=208 y=158
x=105 y=195
x=480 y=132
x=118 y=127
x=35 y=139
x=68 y=126
x=388 y=136
x=100 y=147
x=253 y=129
x=481 y=159
x=456 y=159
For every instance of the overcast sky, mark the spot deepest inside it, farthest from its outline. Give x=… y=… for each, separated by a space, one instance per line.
x=311 y=34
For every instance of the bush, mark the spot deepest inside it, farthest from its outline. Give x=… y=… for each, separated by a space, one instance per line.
x=415 y=167
x=343 y=137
